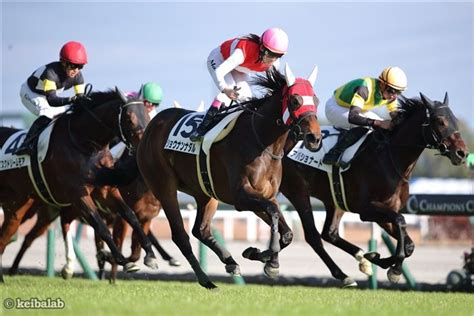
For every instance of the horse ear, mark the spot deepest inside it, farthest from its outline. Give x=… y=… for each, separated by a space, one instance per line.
x=426 y=100
x=290 y=78
x=121 y=94
x=312 y=77
x=446 y=99
x=140 y=92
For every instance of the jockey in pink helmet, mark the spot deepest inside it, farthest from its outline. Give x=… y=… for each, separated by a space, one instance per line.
x=231 y=64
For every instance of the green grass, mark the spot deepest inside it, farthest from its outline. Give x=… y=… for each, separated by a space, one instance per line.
x=84 y=297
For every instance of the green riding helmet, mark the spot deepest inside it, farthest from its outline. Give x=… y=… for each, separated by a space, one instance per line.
x=152 y=92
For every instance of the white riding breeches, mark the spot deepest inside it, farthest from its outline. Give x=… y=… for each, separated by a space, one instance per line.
x=339 y=115
x=233 y=78
x=37 y=103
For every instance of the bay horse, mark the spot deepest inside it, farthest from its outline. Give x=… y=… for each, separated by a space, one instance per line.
x=246 y=165
x=76 y=137
x=376 y=184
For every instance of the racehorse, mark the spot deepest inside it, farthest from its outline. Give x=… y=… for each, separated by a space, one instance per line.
x=76 y=137
x=246 y=165
x=143 y=203
x=376 y=185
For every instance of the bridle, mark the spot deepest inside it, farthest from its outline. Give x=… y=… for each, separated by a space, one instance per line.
x=431 y=140
x=122 y=132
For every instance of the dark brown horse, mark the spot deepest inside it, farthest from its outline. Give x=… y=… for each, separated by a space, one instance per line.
x=76 y=137
x=136 y=195
x=376 y=184
x=246 y=165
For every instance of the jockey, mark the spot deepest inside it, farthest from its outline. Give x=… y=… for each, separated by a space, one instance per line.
x=39 y=92
x=151 y=94
x=351 y=106
x=233 y=61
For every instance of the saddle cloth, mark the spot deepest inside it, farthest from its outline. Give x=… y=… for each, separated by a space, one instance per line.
x=178 y=139
x=10 y=161
x=315 y=159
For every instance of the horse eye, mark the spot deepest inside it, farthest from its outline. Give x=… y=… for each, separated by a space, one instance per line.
x=295 y=102
x=441 y=121
x=316 y=101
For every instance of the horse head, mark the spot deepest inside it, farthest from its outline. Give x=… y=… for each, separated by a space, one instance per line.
x=299 y=108
x=441 y=131
x=133 y=119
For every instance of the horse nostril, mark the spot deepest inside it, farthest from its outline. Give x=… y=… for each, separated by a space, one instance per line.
x=310 y=138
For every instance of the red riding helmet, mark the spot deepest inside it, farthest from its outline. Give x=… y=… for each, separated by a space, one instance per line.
x=74 y=52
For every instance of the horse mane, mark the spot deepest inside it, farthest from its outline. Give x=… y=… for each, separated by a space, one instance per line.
x=251 y=37
x=273 y=81
x=95 y=99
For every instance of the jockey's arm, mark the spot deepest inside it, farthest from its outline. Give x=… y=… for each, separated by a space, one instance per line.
x=54 y=100
x=356 y=118
x=227 y=66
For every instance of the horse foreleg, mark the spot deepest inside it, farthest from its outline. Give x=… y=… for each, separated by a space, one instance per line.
x=400 y=234
x=10 y=226
x=202 y=231
x=127 y=213
x=391 y=230
x=42 y=223
x=89 y=210
x=248 y=201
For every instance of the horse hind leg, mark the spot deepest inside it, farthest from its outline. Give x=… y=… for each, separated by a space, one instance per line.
x=41 y=225
x=9 y=228
x=331 y=235
x=181 y=239
x=202 y=231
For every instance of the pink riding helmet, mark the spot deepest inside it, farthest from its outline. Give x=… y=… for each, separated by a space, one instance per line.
x=275 y=40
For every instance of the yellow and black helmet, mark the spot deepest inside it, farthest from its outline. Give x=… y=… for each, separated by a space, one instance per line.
x=394 y=77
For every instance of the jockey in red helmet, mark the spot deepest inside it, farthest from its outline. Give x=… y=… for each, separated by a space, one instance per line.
x=39 y=94
x=231 y=63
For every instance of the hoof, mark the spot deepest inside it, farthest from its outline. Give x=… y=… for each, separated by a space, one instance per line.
x=67 y=273
x=174 y=263
x=208 y=285
x=271 y=272
x=394 y=275
x=151 y=262
x=365 y=267
x=348 y=283
x=130 y=267
x=233 y=269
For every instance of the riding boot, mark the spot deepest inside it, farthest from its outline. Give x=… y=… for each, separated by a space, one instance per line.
x=198 y=135
x=27 y=147
x=344 y=141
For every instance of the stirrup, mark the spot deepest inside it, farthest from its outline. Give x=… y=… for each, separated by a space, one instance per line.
x=196 y=137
